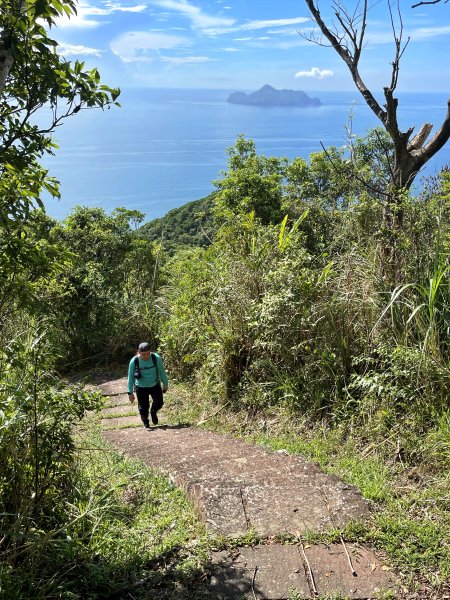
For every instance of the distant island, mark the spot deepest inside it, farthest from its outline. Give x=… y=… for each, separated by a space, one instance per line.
x=269 y=96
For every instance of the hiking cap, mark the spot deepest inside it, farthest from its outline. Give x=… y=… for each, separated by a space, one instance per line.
x=144 y=347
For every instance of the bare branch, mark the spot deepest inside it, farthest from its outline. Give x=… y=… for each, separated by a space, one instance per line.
x=347 y=55
x=428 y=2
x=398 y=46
x=419 y=139
x=409 y=156
x=437 y=141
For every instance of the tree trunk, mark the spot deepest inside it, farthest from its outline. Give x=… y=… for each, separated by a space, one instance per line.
x=6 y=58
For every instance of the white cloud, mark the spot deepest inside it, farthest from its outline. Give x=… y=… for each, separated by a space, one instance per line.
x=273 y=23
x=185 y=60
x=255 y=25
x=73 y=50
x=315 y=73
x=143 y=46
x=83 y=19
x=116 y=7
x=199 y=19
x=284 y=31
x=426 y=33
x=80 y=21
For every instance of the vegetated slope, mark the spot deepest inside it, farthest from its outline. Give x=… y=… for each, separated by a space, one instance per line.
x=188 y=225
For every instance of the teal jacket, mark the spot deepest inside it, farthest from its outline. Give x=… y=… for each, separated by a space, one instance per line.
x=150 y=376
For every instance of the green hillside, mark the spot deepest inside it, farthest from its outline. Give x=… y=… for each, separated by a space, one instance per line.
x=189 y=225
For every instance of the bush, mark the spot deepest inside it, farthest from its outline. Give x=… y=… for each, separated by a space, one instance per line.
x=37 y=414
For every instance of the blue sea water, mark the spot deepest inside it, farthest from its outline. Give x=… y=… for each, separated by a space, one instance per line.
x=164 y=148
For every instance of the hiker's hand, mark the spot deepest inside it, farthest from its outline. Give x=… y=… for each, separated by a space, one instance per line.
x=131 y=398
x=164 y=390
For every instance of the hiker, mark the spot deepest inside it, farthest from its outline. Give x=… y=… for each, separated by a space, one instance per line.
x=146 y=374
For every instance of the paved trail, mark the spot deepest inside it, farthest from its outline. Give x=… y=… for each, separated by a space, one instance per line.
x=236 y=486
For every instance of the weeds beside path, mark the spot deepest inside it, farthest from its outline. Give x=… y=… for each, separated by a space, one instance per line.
x=134 y=535
x=193 y=457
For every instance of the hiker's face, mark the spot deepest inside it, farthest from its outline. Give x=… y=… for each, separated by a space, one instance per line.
x=145 y=355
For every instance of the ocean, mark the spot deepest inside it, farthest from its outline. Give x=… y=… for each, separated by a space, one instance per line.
x=164 y=148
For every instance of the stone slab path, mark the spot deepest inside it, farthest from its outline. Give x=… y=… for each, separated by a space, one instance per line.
x=236 y=487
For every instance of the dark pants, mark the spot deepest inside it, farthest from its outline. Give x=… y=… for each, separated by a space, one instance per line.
x=143 y=397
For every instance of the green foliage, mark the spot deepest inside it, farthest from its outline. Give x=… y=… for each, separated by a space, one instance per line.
x=120 y=527
x=343 y=189
x=109 y=283
x=34 y=75
x=28 y=260
x=237 y=309
x=38 y=90
x=37 y=413
x=292 y=311
x=188 y=225
x=251 y=184
x=186 y=326
x=399 y=390
x=435 y=447
x=264 y=323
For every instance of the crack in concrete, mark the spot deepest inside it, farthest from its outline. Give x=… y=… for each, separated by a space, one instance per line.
x=243 y=502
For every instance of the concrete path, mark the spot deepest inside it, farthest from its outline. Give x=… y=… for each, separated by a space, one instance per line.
x=236 y=487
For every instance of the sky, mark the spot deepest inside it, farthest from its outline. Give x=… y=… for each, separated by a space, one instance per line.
x=244 y=44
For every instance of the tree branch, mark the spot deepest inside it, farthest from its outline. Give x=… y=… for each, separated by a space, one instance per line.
x=419 y=139
x=427 y=2
x=437 y=141
x=350 y=59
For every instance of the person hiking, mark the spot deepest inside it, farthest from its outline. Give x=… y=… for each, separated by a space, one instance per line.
x=146 y=374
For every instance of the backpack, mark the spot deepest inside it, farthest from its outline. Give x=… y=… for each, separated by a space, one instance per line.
x=137 y=370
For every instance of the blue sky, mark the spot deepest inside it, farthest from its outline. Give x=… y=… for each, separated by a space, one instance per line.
x=243 y=44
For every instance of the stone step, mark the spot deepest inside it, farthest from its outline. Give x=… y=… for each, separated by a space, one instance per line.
x=276 y=572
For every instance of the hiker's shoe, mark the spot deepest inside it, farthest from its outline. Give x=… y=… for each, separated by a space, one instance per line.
x=147 y=425
x=154 y=417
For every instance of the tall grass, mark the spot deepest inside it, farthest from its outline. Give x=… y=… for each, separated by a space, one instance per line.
x=37 y=414
x=122 y=529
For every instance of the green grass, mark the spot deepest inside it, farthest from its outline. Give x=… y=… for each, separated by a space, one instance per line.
x=128 y=413
x=128 y=531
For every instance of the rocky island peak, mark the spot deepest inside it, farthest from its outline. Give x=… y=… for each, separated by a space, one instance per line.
x=269 y=96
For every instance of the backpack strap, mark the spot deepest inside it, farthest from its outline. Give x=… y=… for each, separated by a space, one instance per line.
x=155 y=364
x=136 y=368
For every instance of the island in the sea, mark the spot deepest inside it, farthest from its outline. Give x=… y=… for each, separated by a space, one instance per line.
x=269 y=96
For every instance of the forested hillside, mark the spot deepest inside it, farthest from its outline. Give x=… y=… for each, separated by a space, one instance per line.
x=189 y=225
